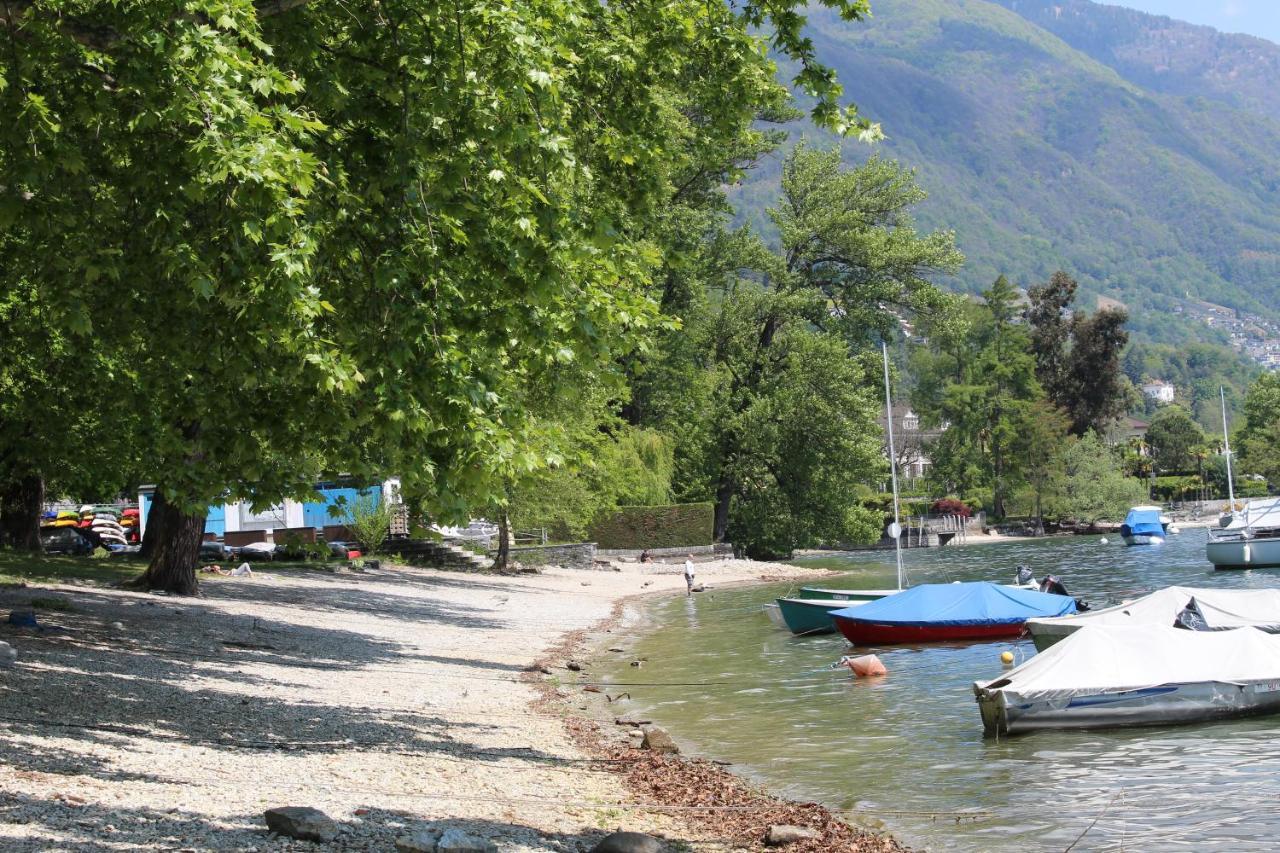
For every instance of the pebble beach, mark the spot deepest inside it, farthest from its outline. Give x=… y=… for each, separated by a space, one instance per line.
x=396 y=701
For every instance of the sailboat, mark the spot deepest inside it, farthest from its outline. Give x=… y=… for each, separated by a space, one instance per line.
x=938 y=612
x=811 y=612
x=1249 y=538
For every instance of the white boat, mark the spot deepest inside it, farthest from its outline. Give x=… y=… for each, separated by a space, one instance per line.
x=1193 y=607
x=1140 y=675
x=1144 y=525
x=1250 y=538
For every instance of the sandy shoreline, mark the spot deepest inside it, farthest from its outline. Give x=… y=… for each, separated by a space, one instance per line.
x=394 y=701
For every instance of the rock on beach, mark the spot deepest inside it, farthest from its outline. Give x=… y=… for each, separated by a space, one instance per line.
x=301 y=822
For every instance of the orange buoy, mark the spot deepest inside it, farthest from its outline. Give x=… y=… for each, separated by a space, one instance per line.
x=865 y=665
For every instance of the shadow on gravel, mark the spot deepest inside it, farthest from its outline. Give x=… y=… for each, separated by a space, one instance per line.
x=177 y=670
x=68 y=823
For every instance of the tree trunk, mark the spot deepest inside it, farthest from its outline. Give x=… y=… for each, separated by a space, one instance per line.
x=155 y=524
x=724 y=497
x=176 y=550
x=501 y=561
x=20 y=505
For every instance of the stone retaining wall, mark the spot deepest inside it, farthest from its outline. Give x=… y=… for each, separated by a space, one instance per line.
x=581 y=555
x=699 y=552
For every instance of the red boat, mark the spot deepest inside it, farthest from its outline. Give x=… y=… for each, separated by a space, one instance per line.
x=948 y=611
x=881 y=633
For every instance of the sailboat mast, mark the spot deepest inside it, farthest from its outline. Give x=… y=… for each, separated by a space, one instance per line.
x=1226 y=445
x=893 y=465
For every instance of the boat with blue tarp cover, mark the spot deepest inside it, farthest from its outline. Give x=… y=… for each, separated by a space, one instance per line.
x=1143 y=526
x=977 y=610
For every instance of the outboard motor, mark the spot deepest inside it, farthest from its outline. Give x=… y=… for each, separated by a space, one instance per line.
x=1025 y=575
x=1052 y=585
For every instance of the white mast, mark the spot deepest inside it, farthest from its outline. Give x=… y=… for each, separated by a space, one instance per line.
x=896 y=530
x=1226 y=444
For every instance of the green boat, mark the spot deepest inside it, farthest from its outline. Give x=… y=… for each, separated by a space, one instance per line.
x=846 y=594
x=812 y=615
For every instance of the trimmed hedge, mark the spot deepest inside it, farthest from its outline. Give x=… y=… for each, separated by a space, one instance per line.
x=674 y=526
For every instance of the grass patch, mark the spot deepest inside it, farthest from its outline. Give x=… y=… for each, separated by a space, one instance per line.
x=20 y=567
x=59 y=604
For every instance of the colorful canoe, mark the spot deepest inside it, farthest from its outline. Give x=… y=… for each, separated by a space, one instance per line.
x=935 y=612
x=811 y=615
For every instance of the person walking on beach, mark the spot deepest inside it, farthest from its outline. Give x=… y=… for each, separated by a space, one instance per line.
x=688 y=574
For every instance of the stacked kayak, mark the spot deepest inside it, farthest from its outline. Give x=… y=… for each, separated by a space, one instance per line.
x=978 y=610
x=1190 y=607
x=1136 y=675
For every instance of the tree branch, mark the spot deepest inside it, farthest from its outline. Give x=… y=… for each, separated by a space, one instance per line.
x=103 y=38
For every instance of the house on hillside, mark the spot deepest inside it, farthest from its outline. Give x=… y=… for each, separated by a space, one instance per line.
x=911 y=441
x=1129 y=431
x=1159 y=390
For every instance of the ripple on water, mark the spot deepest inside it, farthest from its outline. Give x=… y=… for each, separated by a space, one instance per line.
x=909 y=746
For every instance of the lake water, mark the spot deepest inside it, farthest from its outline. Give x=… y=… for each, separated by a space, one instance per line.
x=908 y=749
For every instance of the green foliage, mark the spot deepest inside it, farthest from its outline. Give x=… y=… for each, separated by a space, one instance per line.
x=1094 y=486
x=770 y=389
x=1198 y=371
x=1045 y=155
x=632 y=527
x=1175 y=440
x=1258 y=441
x=980 y=379
x=1078 y=355
x=368 y=517
x=352 y=238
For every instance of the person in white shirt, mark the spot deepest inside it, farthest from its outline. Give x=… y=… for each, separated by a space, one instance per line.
x=688 y=575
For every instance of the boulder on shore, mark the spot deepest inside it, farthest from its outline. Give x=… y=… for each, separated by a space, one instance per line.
x=301 y=822
x=782 y=834
x=657 y=739
x=628 y=842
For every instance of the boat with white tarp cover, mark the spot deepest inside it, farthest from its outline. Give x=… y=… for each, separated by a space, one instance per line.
x=1191 y=607
x=1136 y=675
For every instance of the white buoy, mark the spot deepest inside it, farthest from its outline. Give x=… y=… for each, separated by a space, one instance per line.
x=1105 y=541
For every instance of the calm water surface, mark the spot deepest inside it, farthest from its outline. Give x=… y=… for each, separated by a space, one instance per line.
x=908 y=749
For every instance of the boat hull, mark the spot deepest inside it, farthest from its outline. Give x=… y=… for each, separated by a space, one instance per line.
x=1142 y=539
x=862 y=633
x=1166 y=704
x=846 y=594
x=1243 y=553
x=811 y=615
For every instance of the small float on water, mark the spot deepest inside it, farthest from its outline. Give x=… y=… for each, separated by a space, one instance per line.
x=1135 y=675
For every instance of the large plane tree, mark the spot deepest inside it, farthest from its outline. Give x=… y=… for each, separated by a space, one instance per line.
x=322 y=236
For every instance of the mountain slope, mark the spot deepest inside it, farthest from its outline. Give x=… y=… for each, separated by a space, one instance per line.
x=1163 y=54
x=1041 y=156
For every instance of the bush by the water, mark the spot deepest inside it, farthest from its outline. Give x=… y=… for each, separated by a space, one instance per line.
x=673 y=526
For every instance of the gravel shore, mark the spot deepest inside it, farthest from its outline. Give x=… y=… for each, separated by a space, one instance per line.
x=393 y=700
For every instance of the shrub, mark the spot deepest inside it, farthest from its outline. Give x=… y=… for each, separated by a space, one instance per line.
x=673 y=526
x=368 y=519
x=950 y=506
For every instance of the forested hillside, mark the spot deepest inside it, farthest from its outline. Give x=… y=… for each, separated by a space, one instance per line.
x=1042 y=156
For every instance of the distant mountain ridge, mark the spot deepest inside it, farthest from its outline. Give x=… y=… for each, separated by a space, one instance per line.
x=1054 y=139
x=1164 y=54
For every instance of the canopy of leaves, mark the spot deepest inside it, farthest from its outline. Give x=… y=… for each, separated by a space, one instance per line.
x=344 y=237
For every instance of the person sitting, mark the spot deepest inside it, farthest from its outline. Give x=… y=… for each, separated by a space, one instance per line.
x=645 y=556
